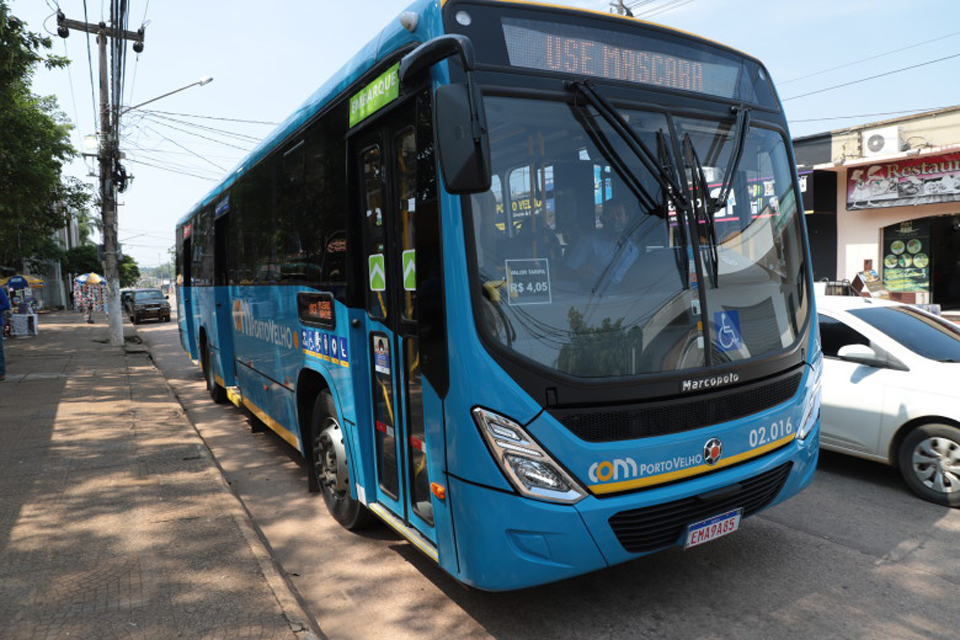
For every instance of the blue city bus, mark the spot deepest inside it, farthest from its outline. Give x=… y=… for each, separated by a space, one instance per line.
x=527 y=283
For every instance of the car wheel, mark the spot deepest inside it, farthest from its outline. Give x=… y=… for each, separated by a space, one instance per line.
x=329 y=466
x=217 y=393
x=136 y=319
x=930 y=463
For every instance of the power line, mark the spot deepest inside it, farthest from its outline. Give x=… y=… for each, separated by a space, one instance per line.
x=184 y=173
x=868 y=115
x=669 y=6
x=93 y=95
x=879 y=75
x=226 y=144
x=242 y=137
x=193 y=115
x=879 y=55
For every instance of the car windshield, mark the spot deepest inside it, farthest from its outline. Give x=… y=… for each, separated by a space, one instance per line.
x=585 y=264
x=151 y=294
x=923 y=334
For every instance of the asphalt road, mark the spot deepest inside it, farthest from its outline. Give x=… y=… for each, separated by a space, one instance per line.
x=855 y=556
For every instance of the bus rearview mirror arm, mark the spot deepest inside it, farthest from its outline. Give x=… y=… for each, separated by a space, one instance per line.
x=460 y=122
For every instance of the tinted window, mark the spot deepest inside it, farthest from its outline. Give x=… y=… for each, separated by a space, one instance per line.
x=835 y=334
x=925 y=335
x=288 y=214
x=152 y=294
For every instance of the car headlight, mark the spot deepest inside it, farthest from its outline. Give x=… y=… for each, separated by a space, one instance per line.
x=526 y=464
x=811 y=412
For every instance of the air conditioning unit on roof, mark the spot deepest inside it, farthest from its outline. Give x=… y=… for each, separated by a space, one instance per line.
x=883 y=141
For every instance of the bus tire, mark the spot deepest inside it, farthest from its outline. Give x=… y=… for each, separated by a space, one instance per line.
x=329 y=465
x=927 y=460
x=217 y=393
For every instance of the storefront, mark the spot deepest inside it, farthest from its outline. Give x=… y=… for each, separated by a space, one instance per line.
x=897 y=205
x=909 y=207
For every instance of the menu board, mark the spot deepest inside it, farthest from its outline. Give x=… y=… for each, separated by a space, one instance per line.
x=906 y=257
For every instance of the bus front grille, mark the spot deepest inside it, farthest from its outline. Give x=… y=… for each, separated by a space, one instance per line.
x=676 y=415
x=662 y=525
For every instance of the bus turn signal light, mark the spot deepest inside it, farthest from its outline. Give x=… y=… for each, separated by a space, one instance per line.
x=438 y=490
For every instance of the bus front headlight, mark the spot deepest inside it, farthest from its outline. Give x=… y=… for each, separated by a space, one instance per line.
x=526 y=464
x=811 y=411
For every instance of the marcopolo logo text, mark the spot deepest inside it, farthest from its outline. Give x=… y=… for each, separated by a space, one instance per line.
x=709 y=383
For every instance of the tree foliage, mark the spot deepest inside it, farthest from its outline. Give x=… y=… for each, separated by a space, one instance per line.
x=129 y=272
x=34 y=195
x=82 y=259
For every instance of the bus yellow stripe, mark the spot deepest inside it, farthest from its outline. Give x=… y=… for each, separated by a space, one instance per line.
x=280 y=430
x=398 y=525
x=662 y=478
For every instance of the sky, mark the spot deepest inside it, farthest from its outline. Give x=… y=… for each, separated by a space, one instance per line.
x=267 y=58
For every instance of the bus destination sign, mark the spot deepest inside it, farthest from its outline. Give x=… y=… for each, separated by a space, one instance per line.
x=581 y=51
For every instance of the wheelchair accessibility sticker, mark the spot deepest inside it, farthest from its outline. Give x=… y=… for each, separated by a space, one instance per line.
x=727 y=324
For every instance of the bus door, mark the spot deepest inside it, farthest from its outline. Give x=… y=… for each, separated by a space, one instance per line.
x=185 y=299
x=221 y=292
x=386 y=165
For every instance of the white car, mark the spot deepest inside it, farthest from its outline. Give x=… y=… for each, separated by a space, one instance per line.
x=891 y=390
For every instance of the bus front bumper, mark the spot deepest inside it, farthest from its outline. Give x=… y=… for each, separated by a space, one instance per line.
x=506 y=542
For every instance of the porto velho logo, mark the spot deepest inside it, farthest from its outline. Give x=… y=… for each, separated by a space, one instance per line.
x=266 y=330
x=620 y=469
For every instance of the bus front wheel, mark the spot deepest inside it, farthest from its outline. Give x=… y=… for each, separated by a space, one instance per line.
x=329 y=462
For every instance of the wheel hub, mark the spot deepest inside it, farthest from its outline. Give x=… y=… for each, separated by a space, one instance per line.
x=936 y=463
x=332 y=460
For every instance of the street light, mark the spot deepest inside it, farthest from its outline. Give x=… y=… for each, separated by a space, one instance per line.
x=199 y=83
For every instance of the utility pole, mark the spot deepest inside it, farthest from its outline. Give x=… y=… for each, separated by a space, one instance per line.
x=620 y=8
x=109 y=157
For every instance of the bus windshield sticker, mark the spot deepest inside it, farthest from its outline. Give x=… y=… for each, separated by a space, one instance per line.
x=375 y=96
x=378 y=272
x=528 y=281
x=410 y=270
x=727 y=325
x=381 y=355
x=325 y=346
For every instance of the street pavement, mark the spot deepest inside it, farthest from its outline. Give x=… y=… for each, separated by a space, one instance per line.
x=115 y=520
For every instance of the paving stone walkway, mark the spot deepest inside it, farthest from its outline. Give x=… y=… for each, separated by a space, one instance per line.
x=115 y=521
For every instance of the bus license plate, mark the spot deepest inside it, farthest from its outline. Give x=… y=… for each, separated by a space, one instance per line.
x=712 y=528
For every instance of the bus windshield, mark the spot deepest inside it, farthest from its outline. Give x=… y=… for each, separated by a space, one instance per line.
x=585 y=255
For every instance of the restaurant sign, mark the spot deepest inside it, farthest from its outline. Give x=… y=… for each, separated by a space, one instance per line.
x=905 y=183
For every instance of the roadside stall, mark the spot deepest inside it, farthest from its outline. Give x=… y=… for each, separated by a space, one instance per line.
x=23 y=306
x=89 y=294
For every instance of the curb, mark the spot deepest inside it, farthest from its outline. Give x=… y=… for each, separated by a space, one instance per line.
x=303 y=626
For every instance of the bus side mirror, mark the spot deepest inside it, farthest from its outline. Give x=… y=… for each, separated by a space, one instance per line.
x=459 y=119
x=463 y=143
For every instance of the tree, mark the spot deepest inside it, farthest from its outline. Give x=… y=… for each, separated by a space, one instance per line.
x=82 y=259
x=35 y=196
x=129 y=272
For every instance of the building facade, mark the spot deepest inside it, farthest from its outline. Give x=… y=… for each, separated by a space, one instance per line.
x=886 y=197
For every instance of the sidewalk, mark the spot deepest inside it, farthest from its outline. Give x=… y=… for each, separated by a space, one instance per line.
x=115 y=522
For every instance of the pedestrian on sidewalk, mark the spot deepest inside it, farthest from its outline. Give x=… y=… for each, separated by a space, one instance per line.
x=4 y=307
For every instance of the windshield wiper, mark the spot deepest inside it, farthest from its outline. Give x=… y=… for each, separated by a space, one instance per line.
x=702 y=205
x=660 y=167
x=742 y=126
x=615 y=119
